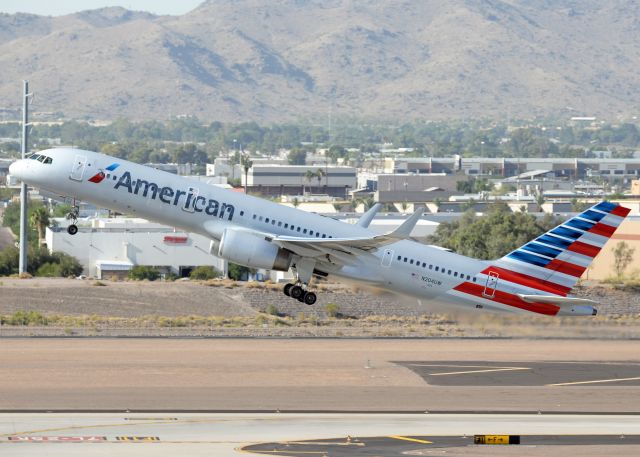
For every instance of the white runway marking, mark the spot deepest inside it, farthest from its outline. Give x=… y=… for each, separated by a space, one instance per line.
x=597 y=381
x=487 y=369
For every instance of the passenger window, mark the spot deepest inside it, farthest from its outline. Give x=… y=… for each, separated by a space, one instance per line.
x=424 y=264
x=273 y=222
x=310 y=232
x=266 y=219
x=324 y=236
x=449 y=272
x=317 y=235
x=260 y=218
x=437 y=268
x=474 y=279
x=399 y=257
x=298 y=229
x=411 y=261
x=468 y=277
x=286 y=225
x=430 y=267
x=304 y=231
x=241 y=213
x=405 y=259
x=455 y=274
x=254 y=216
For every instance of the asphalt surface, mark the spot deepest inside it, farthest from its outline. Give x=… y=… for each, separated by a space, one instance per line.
x=554 y=374
x=319 y=375
x=392 y=446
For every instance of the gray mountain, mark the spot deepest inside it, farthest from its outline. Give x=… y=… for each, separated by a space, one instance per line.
x=282 y=60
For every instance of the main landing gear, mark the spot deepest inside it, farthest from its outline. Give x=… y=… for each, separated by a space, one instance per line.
x=297 y=291
x=72 y=216
x=303 y=270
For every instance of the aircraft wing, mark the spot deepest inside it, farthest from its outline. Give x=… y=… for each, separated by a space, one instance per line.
x=341 y=248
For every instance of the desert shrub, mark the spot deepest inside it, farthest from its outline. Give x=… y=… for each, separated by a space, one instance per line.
x=332 y=309
x=49 y=270
x=205 y=272
x=273 y=310
x=140 y=272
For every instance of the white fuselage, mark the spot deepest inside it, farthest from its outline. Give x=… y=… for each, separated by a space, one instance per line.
x=406 y=267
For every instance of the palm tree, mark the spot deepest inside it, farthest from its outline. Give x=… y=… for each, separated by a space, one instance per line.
x=540 y=200
x=40 y=220
x=308 y=176
x=320 y=173
x=246 y=164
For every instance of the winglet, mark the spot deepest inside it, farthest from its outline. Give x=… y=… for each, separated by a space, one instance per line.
x=404 y=230
x=367 y=217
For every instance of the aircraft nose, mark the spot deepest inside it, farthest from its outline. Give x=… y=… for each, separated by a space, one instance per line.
x=17 y=169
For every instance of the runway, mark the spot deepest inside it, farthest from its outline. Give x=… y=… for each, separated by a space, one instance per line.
x=456 y=375
x=95 y=397
x=226 y=435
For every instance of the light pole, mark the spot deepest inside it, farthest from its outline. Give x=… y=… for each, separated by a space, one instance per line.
x=22 y=262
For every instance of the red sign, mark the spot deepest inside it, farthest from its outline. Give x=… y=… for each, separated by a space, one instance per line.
x=58 y=439
x=175 y=239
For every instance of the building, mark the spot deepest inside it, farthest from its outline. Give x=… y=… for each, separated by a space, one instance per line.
x=610 y=169
x=111 y=247
x=277 y=180
x=417 y=187
x=602 y=266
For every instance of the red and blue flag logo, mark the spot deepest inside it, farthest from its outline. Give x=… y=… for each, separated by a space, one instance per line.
x=98 y=177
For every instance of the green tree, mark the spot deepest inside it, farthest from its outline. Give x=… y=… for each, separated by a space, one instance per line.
x=297 y=156
x=39 y=218
x=140 y=272
x=308 y=176
x=622 y=257
x=320 y=173
x=204 y=272
x=493 y=235
x=239 y=272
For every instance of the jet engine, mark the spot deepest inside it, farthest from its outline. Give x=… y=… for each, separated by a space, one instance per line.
x=252 y=250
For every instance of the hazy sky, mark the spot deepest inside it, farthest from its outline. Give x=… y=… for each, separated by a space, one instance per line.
x=60 y=7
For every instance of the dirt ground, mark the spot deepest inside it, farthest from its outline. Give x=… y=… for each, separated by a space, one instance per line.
x=293 y=374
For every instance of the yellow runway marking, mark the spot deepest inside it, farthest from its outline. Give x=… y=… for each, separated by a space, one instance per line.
x=406 y=438
x=593 y=382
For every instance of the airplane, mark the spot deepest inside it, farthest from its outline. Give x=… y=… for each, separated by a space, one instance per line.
x=536 y=278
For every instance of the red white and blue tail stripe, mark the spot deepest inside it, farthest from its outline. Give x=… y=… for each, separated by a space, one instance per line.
x=554 y=261
x=546 y=268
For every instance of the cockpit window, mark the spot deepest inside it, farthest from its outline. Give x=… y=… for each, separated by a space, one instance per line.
x=41 y=158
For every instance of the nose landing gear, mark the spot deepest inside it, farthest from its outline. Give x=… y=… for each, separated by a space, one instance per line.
x=72 y=216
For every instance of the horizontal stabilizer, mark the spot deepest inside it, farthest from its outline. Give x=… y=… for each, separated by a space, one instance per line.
x=556 y=300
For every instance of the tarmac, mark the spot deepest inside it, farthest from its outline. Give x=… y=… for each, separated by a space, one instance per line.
x=223 y=397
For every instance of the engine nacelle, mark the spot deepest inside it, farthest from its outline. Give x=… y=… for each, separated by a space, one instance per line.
x=252 y=250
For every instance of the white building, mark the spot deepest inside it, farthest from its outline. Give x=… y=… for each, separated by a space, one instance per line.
x=108 y=247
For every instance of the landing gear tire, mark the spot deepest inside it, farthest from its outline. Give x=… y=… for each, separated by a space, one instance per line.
x=72 y=229
x=309 y=298
x=287 y=289
x=296 y=292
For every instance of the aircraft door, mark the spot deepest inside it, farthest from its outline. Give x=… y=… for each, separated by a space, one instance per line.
x=190 y=202
x=387 y=257
x=491 y=285
x=77 y=170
